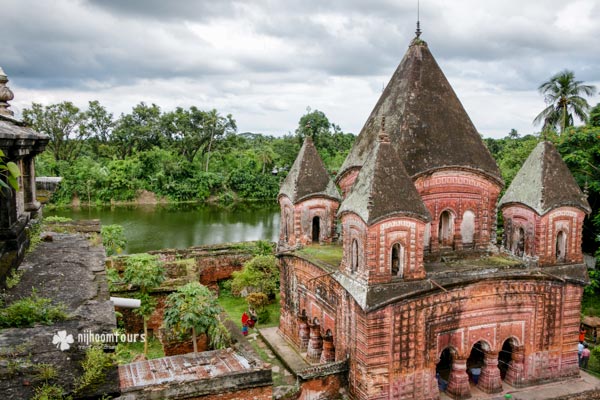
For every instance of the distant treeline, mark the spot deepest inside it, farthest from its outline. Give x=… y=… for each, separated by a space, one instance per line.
x=180 y=155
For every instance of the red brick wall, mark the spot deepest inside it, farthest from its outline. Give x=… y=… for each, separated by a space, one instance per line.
x=393 y=351
x=327 y=387
x=541 y=231
x=347 y=180
x=458 y=191
x=299 y=219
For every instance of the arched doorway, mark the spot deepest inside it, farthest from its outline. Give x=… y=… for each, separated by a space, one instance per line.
x=475 y=361
x=561 y=247
x=286 y=227
x=467 y=227
x=316 y=229
x=444 y=366
x=397 y=260
x=505 y=357
x=446 y=229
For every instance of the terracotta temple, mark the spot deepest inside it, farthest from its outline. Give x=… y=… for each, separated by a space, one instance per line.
x=400 y=273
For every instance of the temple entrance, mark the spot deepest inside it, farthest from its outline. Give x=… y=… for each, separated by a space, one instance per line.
x=446 y=229
x=444 y=366
x=316 y=229
x=561 y=246
x=475 y=362
x=505 y=357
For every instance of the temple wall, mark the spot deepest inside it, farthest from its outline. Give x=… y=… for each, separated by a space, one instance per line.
x=459 y=191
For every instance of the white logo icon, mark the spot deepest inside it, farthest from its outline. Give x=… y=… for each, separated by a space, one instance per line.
x=62 y=340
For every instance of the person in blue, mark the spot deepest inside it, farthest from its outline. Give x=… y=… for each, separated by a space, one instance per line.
x=442 y=384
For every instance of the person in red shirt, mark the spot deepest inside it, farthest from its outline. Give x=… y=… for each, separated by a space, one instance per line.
x=582 y=332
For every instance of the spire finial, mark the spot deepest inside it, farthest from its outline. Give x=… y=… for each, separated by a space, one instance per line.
x=6 y=95
x=418 y=31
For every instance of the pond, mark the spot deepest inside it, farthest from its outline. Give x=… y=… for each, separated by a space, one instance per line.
x=153 y=227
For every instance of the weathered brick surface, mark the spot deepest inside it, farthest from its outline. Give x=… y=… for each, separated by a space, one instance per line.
x=297 y=220
x=540 y=232
x=260 y=393
x=327 y=387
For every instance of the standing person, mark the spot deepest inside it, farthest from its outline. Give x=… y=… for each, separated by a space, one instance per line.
x=595 y=336
x=579 y=351
x=585 y=357
x=582 y=333
x=245 y=319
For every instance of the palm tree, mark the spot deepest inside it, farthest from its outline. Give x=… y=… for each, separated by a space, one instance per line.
x=563 y=96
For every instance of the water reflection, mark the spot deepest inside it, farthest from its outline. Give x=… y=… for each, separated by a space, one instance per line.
x=149 y=227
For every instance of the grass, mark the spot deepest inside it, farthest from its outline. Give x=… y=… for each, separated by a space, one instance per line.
x=126 y=352
x=329 y=254
x=490 y=261
x=235 y=307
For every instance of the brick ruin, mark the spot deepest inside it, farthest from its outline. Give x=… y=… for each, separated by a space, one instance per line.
x=401 y=276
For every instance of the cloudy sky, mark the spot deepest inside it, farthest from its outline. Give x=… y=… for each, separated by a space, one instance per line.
x=265 y=61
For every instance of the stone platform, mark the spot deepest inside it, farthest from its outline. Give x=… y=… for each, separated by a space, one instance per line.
x=284 y=351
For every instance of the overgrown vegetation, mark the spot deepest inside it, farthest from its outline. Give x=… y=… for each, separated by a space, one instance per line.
x=144 y=272
x=260 y=274
x=235 y=306
x=94 y=365
x=113 y=239
x=126 y=352
x=30 y=310
x=194 y=309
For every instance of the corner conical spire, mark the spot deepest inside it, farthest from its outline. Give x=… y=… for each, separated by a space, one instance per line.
x=544 y=183
x=383 y=188
x=308 y=176
x=425 y=120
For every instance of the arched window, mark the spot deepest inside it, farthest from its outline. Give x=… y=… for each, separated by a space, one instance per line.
x=561 y=247
x=446 y=229
x=397 y=260
x=286 y=227
x=354 y=256
x=518 y=241
x=316 y=229
x=427 y=235
x=467 y=227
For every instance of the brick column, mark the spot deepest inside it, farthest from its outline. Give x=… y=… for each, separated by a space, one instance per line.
x=328 y=354
x=458 y=382
x=29 y=192
x=514 y=375
x=315 y=344
x=303 y=333
x=489 y=380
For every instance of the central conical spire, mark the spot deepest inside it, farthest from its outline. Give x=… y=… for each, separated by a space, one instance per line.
x=426 y=122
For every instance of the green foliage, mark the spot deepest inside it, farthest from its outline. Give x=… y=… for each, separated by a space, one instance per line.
x=10 y=172
x=126 y=352
x=263 y=248
x=14 y=278
x=49 y=392
x=260 y=274
x=257 y=300
x=236 y=306
x=563 y=93
x=56 y=218
x=95 y=365
x=192 y=306
x=46 y=372
x=144 y=271
x=594 y=117
x=30 y=310
x=220 y=338
x=113 y=239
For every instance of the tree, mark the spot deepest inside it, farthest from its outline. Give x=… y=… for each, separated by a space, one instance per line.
x=594 y=119
x=314 y=124
x=138 y=131
x=265 y=155
x=563 y=93
x=99 y=122
x=145 y=272
x=260 y=274
x=194 y=308
x=64 y=123
x=216 y=126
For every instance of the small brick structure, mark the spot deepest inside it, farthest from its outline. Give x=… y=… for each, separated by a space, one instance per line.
x=219 y=374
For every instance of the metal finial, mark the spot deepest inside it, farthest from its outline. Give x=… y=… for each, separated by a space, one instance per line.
x=418 y=31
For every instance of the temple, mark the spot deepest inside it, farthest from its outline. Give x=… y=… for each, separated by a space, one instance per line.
x=401 y=274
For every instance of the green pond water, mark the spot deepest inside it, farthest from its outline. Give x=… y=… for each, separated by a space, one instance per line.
x=150 y=227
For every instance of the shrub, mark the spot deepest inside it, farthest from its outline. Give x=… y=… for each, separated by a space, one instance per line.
x=29 y=310
x=260 y=274
x=113 y=239
x=94 y=365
